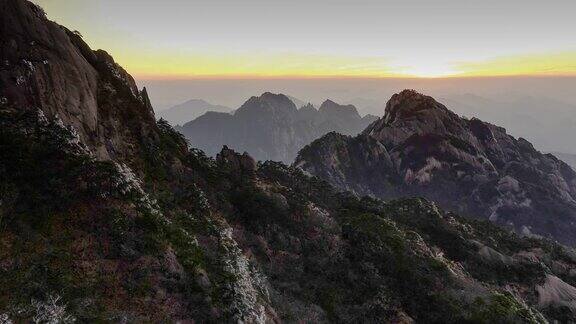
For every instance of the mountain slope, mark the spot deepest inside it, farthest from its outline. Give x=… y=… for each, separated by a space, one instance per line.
x=546 y=122
x=568 y=158
x=420 y=148
x=270 y=127
x=148 y=230
x=189 y=110
x=46 y=65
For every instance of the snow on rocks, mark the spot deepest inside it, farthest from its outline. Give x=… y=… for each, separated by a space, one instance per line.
x=248 y=284
x=127 y=183
x=29 y=65
x=201 y=198
x=68 y=136
x=116 y=72
x=4 y=319
x=51 y=311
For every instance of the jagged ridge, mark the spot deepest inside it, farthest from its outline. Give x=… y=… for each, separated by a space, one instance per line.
x=270 y=127
x=420 y=148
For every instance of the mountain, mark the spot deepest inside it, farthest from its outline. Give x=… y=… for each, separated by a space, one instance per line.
x=299 y=103
x=189 y=110
x=271 y=127
x=106 y=215
x=420 y=148
x=568 y=158
x=367 y=106
x=547 y=123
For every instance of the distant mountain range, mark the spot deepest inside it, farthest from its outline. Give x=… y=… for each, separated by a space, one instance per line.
x=189 y=110
x=271 y=127
x=420 y=148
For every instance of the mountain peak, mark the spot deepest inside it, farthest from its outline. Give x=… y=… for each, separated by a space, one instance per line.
x=348 y=111
x=277 y=98
x=308 y=108
x=328 y=103
x=408 y=103
x=276 y=104
x=465 y=165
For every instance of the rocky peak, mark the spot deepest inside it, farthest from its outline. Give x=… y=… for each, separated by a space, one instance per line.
x=409 y=103
x=411 y=113
x=308 y=113
x=468 y=166
x=308 y=107
x=277 y=105
x=332 y=107
x=239 y=163
x=48 y=67
x=339 y=113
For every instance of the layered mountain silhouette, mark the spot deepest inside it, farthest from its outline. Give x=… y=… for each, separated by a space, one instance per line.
x=189 y=110
x=271 y=127
x=106 y=215
x=420 y=148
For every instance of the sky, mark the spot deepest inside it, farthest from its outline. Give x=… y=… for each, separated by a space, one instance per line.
x=178 y=39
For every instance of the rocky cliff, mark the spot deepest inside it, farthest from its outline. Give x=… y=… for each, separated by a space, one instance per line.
x=46 y=65
x=420 y=148
x=270 y=127
x=143 y=229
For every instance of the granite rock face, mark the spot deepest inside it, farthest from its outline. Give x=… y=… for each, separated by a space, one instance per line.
x=270 y=127
x=421 y=148
x=46 y=66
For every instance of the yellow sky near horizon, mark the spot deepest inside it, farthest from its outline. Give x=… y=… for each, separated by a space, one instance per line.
x=223 y=39
x=289 y=65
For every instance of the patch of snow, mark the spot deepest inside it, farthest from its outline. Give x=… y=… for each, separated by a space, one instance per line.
x=29 y=65
x=42 y=120
x=68 y=135
x=115 y=69
x=4 y=319
x=203 y=202
x=128 y=183
x=50 y=311
x=247 y=285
